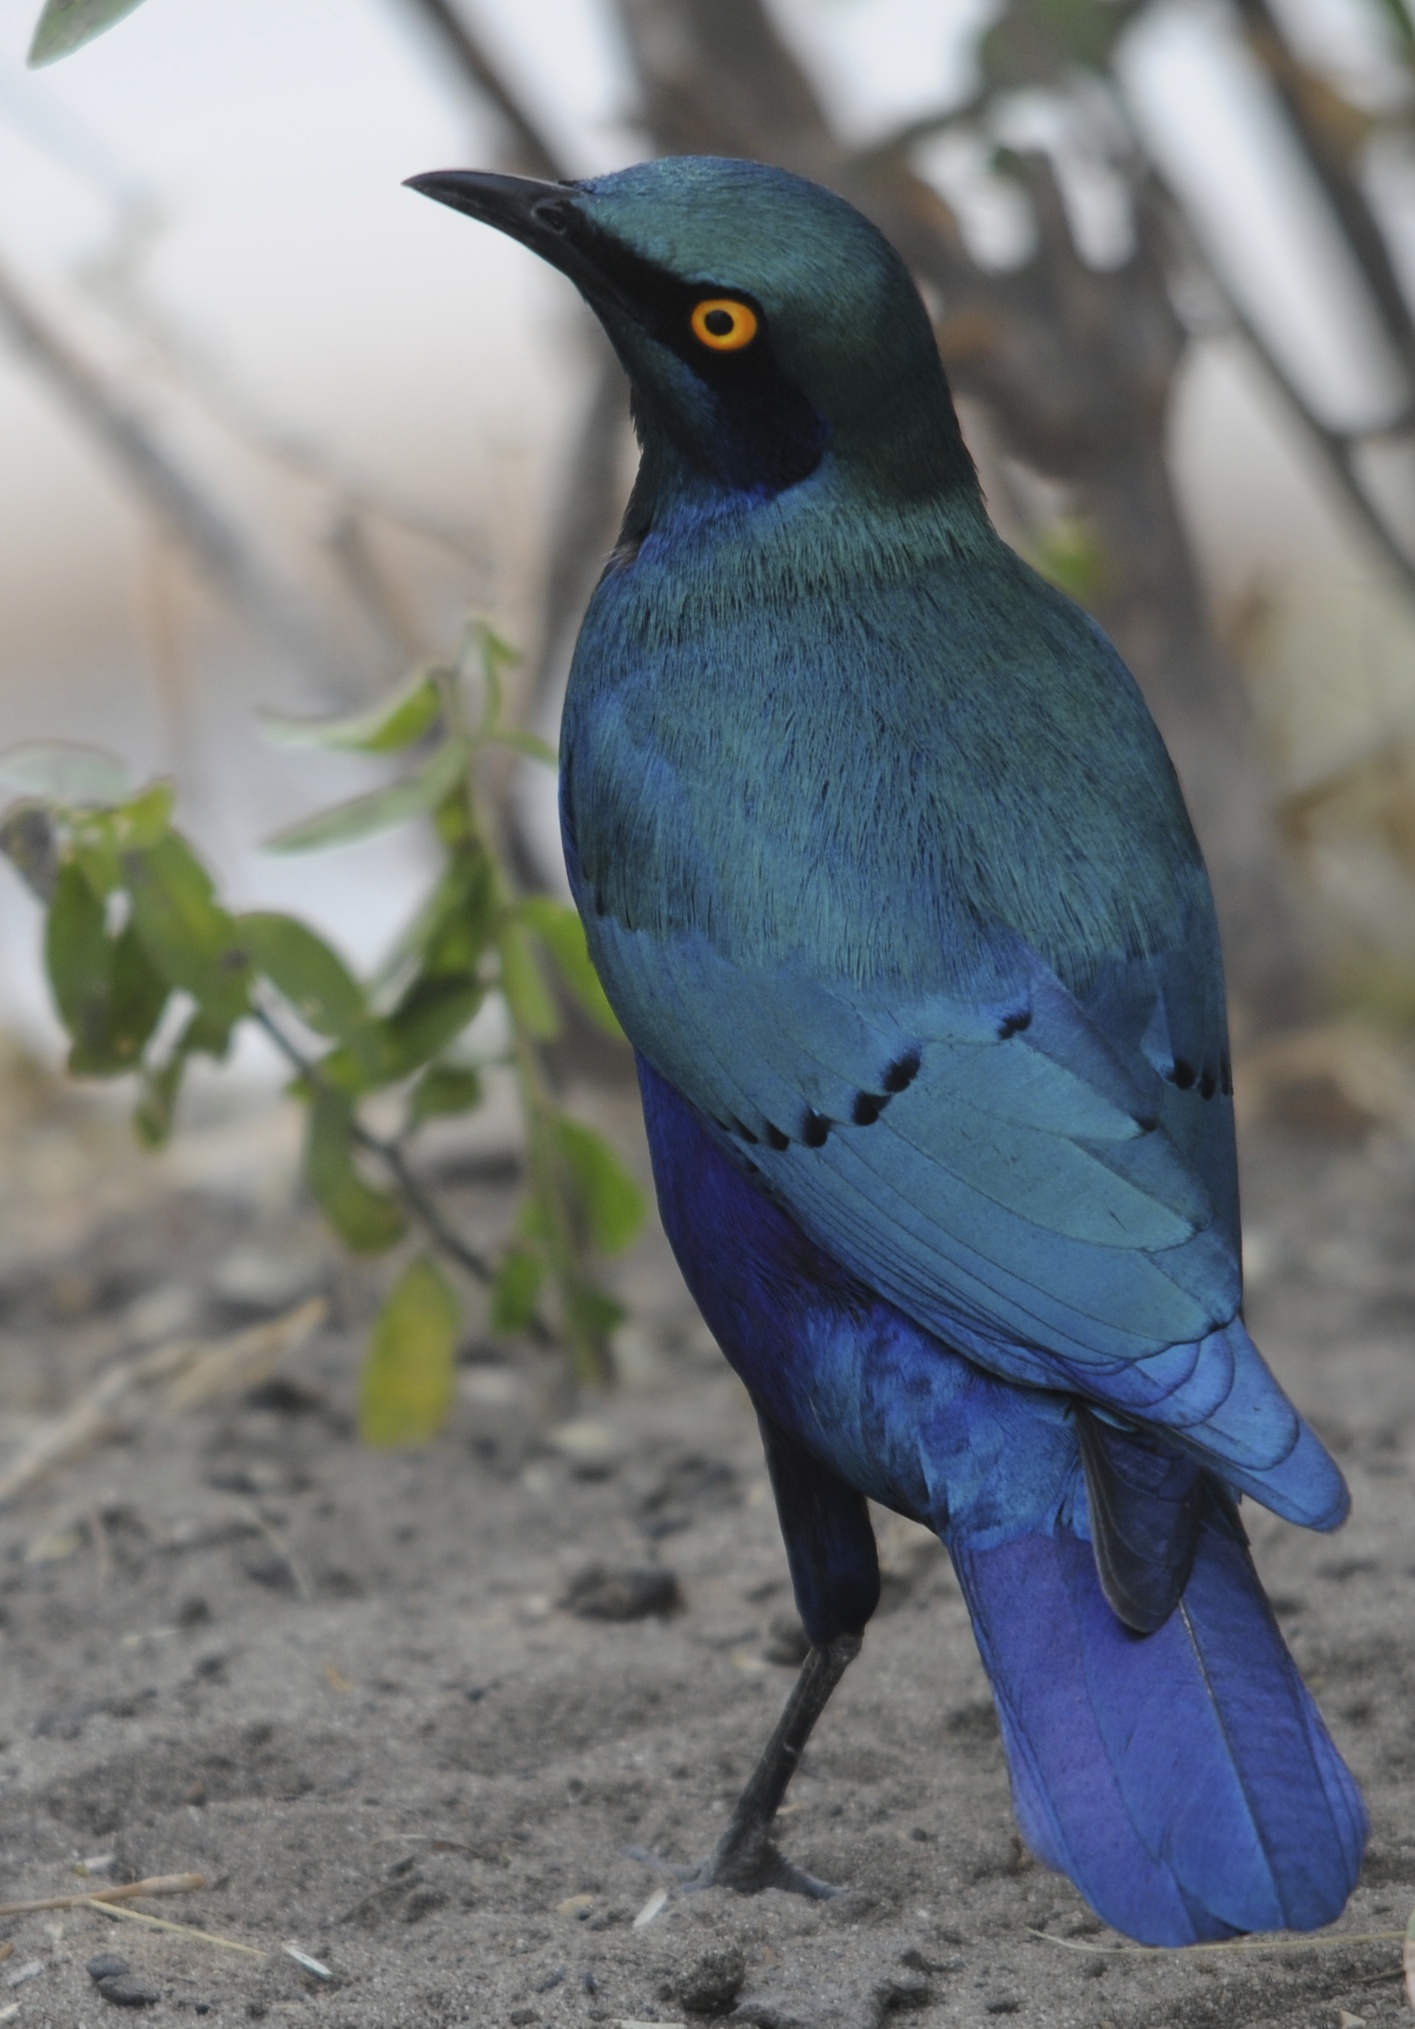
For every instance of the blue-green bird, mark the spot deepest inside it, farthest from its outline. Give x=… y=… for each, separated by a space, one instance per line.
x=888 y=877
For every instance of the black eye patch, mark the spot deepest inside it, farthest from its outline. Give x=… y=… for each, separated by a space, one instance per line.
x=771 y=437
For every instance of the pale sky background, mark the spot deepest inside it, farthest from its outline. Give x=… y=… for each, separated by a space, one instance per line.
x=442 y=361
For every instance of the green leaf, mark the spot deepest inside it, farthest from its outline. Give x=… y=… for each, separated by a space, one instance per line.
x=453 y=927
x=430 y=1015
x=530 y=744
x=593 y=1314
x=444 y=1089
x=62 y=771
x=399 y=720
x=301 y=966
x=188 y=935
x=65 y=25
x=456 y=936
x=29 y=841
x=514 y=1292
x=139 y=994
x=563 y=934
x=614 y=1206
x=101 y=836
x=78 y=956
x=157 y=1100
x=1399 y=20
x=410 y=1374
x=109 y=995
x=365 y=1219
x=531 y=1006
x=484 y=650
x=139 y=823
x=381 y=810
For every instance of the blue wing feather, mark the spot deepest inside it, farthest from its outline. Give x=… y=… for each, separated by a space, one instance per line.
x=1016 y=1198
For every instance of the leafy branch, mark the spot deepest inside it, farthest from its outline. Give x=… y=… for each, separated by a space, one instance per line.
x=148 y=970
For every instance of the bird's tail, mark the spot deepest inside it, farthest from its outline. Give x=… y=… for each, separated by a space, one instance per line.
x=1183 y=1779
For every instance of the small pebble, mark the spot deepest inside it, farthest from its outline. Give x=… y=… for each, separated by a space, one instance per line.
x=126 y=1992
x=713 y=1983
x=633 y=1592
x=904 y=1991
x=107 y=1966
x=31 y=1970
x=523 y=2015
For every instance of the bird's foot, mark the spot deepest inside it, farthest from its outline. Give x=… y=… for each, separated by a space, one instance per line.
x=748 y=1860
x=745 y=1861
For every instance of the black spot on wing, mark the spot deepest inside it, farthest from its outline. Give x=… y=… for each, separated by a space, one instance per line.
x=868 y=1107
x=775 y=1138
x=1212 y=1078
x=902 y=1072
x=815 y=1128
x=1014 y=1024
x=740 y=1128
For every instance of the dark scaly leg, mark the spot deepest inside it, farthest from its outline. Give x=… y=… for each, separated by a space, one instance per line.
x=830 y=1548
x=747 y=1857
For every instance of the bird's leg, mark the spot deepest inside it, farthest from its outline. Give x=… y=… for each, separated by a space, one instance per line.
x=830 y=1547
x=746 y=1857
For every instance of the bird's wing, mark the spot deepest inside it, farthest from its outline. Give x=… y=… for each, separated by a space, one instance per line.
x=1001 y=1172
x=996 y=1160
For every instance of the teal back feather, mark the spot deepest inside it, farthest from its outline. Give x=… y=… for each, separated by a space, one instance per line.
x=876 y=741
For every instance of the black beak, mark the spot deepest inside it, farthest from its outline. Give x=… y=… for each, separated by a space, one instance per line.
x=541 y=216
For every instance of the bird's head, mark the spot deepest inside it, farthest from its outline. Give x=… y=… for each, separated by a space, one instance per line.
x=765 y=325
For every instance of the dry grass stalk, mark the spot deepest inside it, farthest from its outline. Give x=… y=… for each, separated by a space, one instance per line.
x=199 y=1371
x=234 y=1364
x=155 y=1884
x=230 y=1944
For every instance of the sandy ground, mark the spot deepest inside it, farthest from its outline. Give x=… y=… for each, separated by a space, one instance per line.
x=344 y=1686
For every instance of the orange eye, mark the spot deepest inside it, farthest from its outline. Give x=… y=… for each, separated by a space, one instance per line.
x=724 y=324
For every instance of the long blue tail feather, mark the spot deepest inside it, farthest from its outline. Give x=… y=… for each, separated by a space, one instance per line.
x=1183 y=1779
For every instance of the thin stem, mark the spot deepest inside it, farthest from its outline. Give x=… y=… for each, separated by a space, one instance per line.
x=548 y=1181
x=407 y=1186
x=1300 y=94
x=548 y=1184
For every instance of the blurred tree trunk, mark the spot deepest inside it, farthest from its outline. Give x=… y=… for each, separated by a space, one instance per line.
x=1077 y=369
